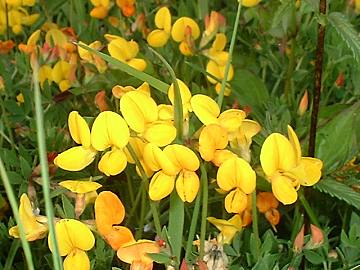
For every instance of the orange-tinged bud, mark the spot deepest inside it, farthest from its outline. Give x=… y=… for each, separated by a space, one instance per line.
x=317 y=235
x=340 y=80
x=303 y=105
x=265 y=201
x=100 y=100
x=6 y=46
x=99 y=12
x=273 y=216
x=299 y=240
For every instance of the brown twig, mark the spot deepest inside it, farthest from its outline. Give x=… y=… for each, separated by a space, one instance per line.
x=318 y=74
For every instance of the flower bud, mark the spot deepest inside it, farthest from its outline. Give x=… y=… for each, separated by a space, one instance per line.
x=299 y=240
x=303 y=105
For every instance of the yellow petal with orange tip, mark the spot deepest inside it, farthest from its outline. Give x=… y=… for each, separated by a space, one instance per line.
x=178 y=30
x=277 y=153
x=187 y=185
x=77 y=259
x=212 y=138
x=72 y=234
x=80 y=187
x=160 y=133
x=231 y=119
x=182 y=157
x=235 y=201
x=138 y=110
x=283 y=189
x=79 y=129
x=113 y=162
x=205 y=108
x=109 y=129
x=109 y=211
x=236 y=173
x=75 y=158
x=137 y=63
x=157 y=38
x=161 y=186
x=163 y=19
x=137 y=252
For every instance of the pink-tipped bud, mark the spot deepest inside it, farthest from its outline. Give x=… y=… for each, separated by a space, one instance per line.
x=317 y=235
x=303 y=105
x=299 y=240
x=100 y=100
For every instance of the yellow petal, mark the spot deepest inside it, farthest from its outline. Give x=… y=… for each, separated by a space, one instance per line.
x=283 y=189
x=213 y=69
x=34 y=38
x=295 y=143
x=118 y=236
x=236 y=173
x=230 y=74
x=136 y=252
x=156 y=159
x=109 y=129
x=250 y=3
x=120 y=49
x=227 y=228
x=220 y=156
x=235 y=201
x=205 y=108
x=157 y=38
x=182 y=157
x=187 y=185
x=308 y=172
x=161 y=186
x=178 y=30
x=60 y=71
x=276 y=154
x=185 y=93
x=232 y=119
x=45 y=73
x=75 y=158
x=55 y=37
x=166 y=112
x=77 y=259
x=219 y=42
x=163 y=19
x=160 y=133
x=109 y=211
x=247 y=130
x=113 y=162
x=80 y=186
x=138 y=110
x=79 y=129
x=138 y=146
x=72 y=234
x=212 y=138
x=137 y=63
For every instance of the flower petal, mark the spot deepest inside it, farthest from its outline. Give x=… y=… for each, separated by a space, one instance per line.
x=178 y=30
x=80 y=186
x=235 y=201
x=231 y=119
x=156 y=159
x=109 y=129
x=308 y=172
x=75 y=158
x=283 y=189
x=182 y=157
x=77 y=259
x=118 y=236
x=160 y=133
x=137 y=252
x=187 y=185
x=212 y=138
x=158 y=38
x=295 y=143
x=113 y=162
x=205 y=108
x=163 y=19
x=79 y=129
x=161 y=186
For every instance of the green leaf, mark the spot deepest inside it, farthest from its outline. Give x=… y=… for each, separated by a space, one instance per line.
x=161 y=257
x=230 y=251
x=340 y=191
x=313 y=257
x=347 y=32
x=25 y=168
x=154 y=82
x=68 y=207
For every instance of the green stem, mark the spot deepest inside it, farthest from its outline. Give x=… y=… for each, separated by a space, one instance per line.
x=205 y=194
x=255 y=226
x=44 y=166
x=290 y=71
x=176 y=225
x=13 y=203
x=228 y=63
x=130 y=188
x=142 y=214
x=308 y=209
x=145 y=179
x=134 y=205
x=192 y=229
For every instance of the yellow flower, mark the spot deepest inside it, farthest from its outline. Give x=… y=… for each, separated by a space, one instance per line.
x=285 y=168
x=84 y=192
x=91 y=57
x=250 y=3
x=118 y=91
x=208 y=112
x=237 y=176
x=109 y=213
x=125 y=51
x=185 y=95
x=20 y=99
x=159 y=37
x=78 y=157
x=61 y=75
x=185 y=30
x=212 y=137
x=35 y=227
x=141 y=113
x=110 y=130
x=101 y=8
x=45 y=73
x=31 y=43
x=74 y=239
x=173 y=160
x=227 y=228
x=136 y=254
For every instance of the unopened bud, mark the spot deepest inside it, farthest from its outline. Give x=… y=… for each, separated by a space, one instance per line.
x=299 y=240
x=303 y=105
x=317 y=235
x=100 y=100
x=340 y=80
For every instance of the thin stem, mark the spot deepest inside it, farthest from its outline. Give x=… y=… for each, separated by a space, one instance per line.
x=192 y=229
x=290 y=71
x=145 y=179
x=255 y=224
x=308 y=210
x=142 y=214
x=228 y=63
x=205 y=194
x=130 y=188
x=14 y=206
x=134 y=205
x=318 y=74
x=44 y=164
